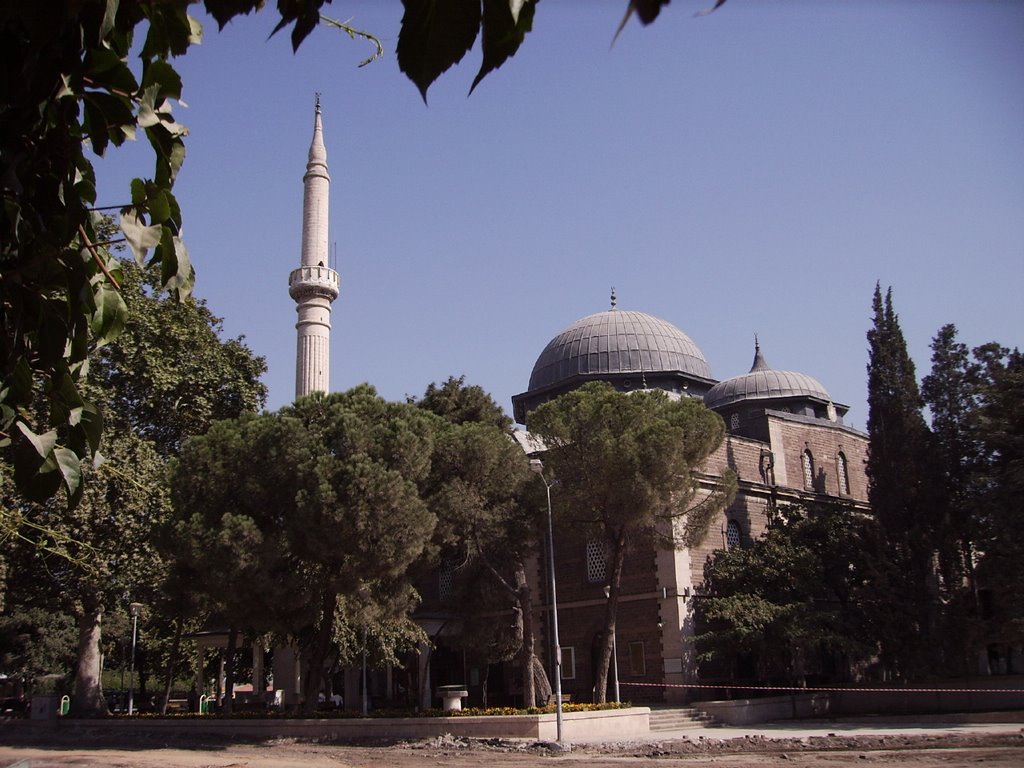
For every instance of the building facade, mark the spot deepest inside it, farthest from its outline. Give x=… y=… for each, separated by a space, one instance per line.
x=785 y=441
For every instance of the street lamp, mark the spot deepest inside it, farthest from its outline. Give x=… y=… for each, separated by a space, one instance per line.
x=537 y=467
x=615 y=652
x=134 y=609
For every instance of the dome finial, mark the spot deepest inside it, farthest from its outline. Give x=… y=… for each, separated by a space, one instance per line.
x=759 y=361
x=614 y=300
x=318 y=102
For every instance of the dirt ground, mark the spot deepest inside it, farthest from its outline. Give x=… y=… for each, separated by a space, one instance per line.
x=996 y=750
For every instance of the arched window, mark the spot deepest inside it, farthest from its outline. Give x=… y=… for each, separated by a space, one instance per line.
x=734 y=421
x=732 y=534
x=808 y=462
x=842 y=474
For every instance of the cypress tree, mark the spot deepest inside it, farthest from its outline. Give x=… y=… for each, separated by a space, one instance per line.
x=951 y=392
x=897 y=492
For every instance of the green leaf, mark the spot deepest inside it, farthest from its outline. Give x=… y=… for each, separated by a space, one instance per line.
x=224 y=11
x=70 y=467
x=18 y=384
x=176 y=267
x=160 y=75
x=435 y=35
x=43 y=444
x=505 y=24
x=109 y=16
x=170 y=150
x=138 y=192
x=171 y=30
x=109 y=317
x=92 y=427
x=37 y=480
x=105 y=113
x=648 y=10
x=159 y=208
x=148 y=115
x=140 y=237
x=106 y=69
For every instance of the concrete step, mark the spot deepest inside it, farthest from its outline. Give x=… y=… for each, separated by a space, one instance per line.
x=676 y=718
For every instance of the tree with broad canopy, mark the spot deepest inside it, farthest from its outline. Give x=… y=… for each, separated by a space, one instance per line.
x=627 y=468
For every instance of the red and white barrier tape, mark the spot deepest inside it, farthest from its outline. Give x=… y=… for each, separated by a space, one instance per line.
x=815 y=689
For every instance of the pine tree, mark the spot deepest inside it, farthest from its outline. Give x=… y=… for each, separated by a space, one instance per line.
x=897 y=491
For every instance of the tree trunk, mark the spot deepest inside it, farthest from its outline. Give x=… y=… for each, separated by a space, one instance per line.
x=540 y=683
x=483 y=685
x=171 y=665
x=88 y=700
x=229 y=671
x=318 y=654
x=524 y=630
x=604 y=661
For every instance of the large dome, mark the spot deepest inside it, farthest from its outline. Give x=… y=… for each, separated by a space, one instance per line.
x=765 y=383
x=617 y=341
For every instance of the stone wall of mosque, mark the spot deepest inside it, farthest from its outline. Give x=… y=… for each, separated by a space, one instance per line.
x=835 y=452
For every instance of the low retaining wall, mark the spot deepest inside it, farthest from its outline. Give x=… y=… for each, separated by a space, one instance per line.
x=609 y=723
x=964 y=696
x=750 y=711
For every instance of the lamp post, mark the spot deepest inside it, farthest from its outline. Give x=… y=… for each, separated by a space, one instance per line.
x=537 y=467
x=366 y=708
x=134 y=609
x=615 y=652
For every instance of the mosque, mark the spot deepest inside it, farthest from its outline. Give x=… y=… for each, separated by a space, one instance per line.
x=785 y=441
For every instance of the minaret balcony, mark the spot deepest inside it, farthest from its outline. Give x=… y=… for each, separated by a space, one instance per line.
x=309 y=282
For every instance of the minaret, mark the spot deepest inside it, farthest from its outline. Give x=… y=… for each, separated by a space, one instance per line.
x=314 y=285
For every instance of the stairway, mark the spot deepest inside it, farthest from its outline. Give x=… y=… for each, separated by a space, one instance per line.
x=676 y=718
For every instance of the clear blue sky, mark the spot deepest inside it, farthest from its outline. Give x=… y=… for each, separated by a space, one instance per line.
x=753 y=171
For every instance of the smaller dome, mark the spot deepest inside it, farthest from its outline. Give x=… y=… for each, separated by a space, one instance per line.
x=765 y=383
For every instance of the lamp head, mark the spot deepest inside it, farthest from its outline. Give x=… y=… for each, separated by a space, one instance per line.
x=134 y=609
x=536 y=466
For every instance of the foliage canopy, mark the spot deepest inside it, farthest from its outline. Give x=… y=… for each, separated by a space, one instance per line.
x=78 y=81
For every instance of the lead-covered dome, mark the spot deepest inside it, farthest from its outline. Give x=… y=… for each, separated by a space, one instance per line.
x=765 y=383
x=629 y=350
x=614 y=342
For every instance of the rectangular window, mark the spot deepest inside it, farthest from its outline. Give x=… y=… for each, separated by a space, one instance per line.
x=637 y=660
x=568 y=663
x=597 y=561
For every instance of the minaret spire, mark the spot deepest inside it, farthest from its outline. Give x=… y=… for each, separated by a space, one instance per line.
x=314 y=285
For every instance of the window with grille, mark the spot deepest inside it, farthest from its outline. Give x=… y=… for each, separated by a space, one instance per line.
x=808 y=462
x=732 y=534
x=568 y=663
x=597 y=561
x=844 y=478
x=446 y=581
x=734 y=422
